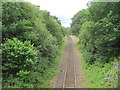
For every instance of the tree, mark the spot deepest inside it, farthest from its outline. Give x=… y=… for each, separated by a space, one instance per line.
x=78 y=19
x=98 y=30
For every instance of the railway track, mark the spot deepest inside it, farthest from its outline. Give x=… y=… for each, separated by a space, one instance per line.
x=69 y=75
x=69 y=78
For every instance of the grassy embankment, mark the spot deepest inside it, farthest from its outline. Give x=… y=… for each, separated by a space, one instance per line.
x=100 y=75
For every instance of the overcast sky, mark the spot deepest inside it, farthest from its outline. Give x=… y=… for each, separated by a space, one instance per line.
x=63 y=9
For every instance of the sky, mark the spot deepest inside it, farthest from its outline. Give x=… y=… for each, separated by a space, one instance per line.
x=63 y=9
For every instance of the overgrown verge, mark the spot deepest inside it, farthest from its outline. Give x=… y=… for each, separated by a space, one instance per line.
x=32 y=40
x=53 y=69
x=99 y=37
x=100 y=75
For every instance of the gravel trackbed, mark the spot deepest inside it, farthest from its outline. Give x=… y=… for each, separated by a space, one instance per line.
x=70 y=72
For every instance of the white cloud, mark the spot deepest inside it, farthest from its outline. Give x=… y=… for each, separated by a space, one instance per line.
x=61 y=8
x=66 y=25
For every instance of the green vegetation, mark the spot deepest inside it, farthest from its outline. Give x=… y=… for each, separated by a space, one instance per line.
x=32 y=42
x=98 y=30
x=98 y=75
x=53 y=70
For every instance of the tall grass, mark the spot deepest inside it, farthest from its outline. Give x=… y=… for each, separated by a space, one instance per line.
x=100 y=75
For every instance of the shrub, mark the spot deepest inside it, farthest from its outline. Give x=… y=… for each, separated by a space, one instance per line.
x=23 y=24
x=87 y=41
x=18 y=57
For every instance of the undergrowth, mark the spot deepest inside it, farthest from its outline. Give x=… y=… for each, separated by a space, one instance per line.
x=45 y=79
x=100 y=75
x=53 y=69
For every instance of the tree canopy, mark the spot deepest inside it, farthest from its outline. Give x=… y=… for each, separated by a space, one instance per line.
x=98 y=30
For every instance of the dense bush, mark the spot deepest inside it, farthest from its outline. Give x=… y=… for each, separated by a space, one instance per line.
x=107 y=37
x=17 y=18
x=18 y=56
x=54 y=28
x=18 y=59
x=98 y=32
x=78 y=20
x=31 y=41
x=87 y=41
x=99 y=38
